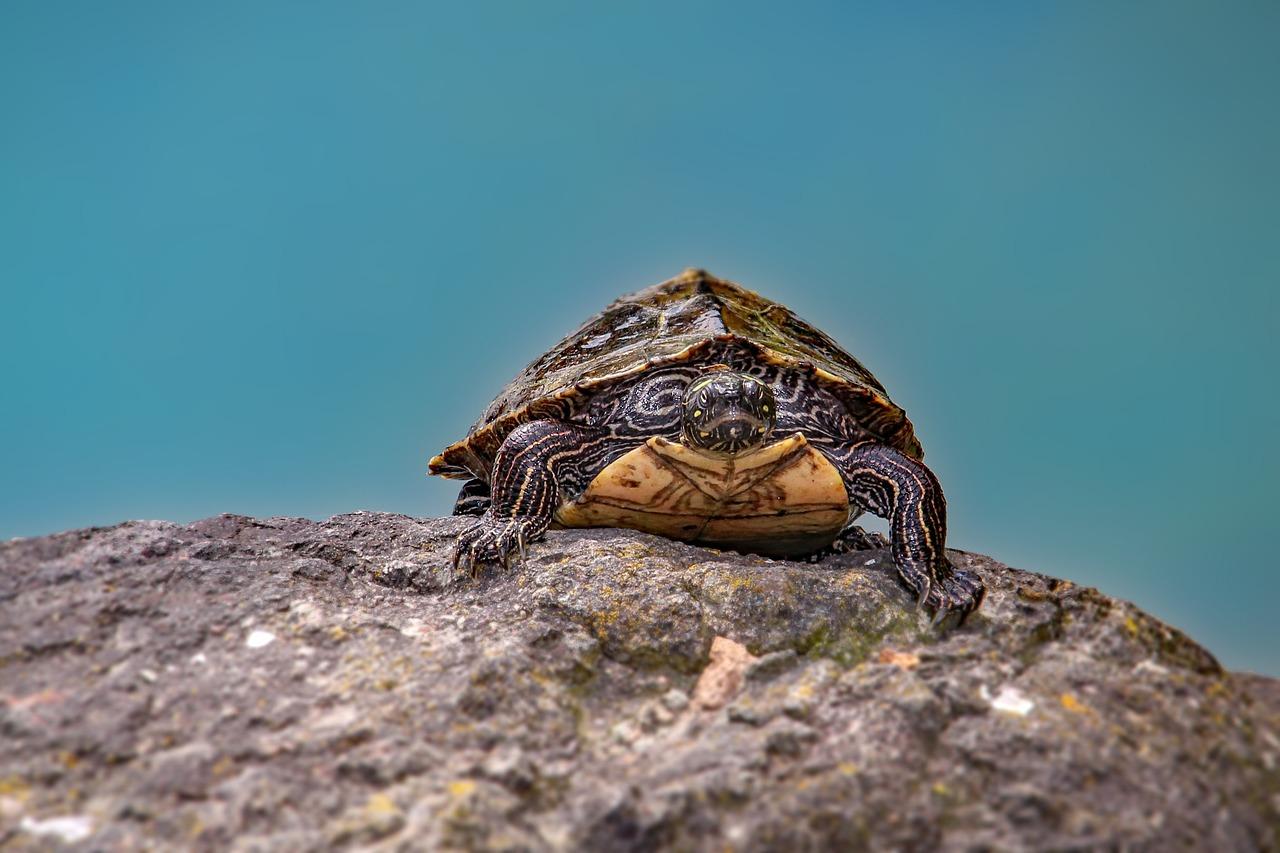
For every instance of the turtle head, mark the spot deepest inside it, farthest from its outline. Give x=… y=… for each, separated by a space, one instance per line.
x=728 y=412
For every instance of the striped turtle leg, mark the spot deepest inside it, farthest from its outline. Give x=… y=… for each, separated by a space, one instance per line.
x=473 y=499
x=897 y=487
x=535 y=462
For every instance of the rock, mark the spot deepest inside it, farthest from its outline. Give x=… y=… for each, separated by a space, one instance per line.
x=721 y=679
x=289 y=684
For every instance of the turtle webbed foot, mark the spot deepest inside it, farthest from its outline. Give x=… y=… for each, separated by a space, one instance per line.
x=854 y=538
x=945 y=589
x=493 y=539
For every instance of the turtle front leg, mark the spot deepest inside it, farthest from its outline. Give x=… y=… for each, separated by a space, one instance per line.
x=904 y=491
x=531 y=467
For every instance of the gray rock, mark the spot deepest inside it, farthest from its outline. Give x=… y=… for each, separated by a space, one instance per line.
x=286 y=684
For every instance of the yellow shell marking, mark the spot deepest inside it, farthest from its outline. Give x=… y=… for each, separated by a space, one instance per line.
x=782 y=500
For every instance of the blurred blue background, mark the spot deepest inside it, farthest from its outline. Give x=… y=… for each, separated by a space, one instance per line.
x=267 y=258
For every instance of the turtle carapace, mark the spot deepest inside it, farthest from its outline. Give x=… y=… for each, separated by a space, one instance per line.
x=699 y=410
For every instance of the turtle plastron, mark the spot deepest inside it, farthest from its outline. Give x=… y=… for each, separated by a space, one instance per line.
x=783 y=499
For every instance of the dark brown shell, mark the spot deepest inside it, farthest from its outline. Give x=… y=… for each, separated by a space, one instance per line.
x=673 y=322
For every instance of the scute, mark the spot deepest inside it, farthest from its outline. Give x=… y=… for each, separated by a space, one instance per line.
x=680 y=320
x=780 y=500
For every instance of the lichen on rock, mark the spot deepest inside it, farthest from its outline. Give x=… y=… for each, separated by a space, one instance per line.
x=284 y=683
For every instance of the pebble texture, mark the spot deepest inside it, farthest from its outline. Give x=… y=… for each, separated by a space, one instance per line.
x=288 y=684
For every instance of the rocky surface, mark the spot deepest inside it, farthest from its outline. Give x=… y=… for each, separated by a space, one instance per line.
x=289 y=684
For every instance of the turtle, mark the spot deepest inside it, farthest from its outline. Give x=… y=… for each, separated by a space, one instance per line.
x=701 y=411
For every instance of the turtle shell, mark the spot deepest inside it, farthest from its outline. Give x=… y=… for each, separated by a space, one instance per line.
x=678 y=321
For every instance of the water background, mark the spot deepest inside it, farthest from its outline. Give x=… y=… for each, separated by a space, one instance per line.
x=267 y=258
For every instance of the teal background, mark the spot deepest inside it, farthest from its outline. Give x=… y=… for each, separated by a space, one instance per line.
x=266 y=258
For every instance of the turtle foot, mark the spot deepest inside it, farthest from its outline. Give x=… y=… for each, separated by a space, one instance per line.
x=945 y=591
x=852 y=538
x=493 y=539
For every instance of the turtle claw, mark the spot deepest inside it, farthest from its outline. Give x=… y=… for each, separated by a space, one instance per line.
x=492 y=540
x=926 y=589
x=944 y=591
x=462 y=558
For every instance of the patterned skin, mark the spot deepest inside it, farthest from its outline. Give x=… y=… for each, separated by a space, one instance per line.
x=628 y=374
